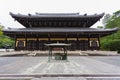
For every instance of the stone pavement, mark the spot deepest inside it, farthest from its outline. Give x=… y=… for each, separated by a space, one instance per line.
x=76 y=65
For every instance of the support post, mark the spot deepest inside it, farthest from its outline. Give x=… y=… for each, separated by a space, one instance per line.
x=66 y=53
x=25 y=42
x=49 y=54
x=15 y=42
x=99 y=41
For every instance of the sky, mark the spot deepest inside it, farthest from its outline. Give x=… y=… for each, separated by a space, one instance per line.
x=54 y=6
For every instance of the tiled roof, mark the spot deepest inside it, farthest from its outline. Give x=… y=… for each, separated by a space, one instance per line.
x=56 y=15
x=57 y=20
x=57 y=30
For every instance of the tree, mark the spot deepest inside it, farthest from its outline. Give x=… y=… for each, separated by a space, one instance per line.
x=106 y=19
x=99 y=26
x=1 y=29
x=5 y=40
x=112 y=42
x=114 y=20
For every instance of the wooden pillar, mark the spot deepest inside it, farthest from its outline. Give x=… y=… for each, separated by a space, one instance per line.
x=99 y=41
x=15 y=43
x=89 y=42
x=66 y=52
x=49 y=55
x=77 y=43
x=49 y=38
x=37 y=44
x=25 y=42
x=66 y=38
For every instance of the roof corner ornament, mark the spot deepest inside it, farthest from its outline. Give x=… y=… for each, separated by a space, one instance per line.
x=78 y=13
x=85 y=14
x=29 y=14
x=10 y=13
x=95 y=14
x=37 y=13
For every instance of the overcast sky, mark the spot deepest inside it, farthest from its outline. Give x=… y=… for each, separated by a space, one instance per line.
x=54 y=6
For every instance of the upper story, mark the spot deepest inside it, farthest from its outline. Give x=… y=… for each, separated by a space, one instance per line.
x=58 y=20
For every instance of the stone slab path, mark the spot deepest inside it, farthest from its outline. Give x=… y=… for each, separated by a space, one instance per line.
x=74 y=65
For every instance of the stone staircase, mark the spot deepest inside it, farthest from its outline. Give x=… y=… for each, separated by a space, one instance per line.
x=70 y=53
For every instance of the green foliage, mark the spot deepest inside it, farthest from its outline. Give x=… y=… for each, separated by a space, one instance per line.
x=99 y=26
x=106 y=19
x=114 y=23
x=112 y=42
x=6 y=41
x=112 y=45
x=115 y=45
x=114 y=20
x=117 y=12
x=1 y=30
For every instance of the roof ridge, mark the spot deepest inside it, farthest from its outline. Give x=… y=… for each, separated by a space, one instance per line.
x=57 y=13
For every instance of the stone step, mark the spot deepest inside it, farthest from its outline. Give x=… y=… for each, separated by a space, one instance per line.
x=60 y=78
x=16 y=78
